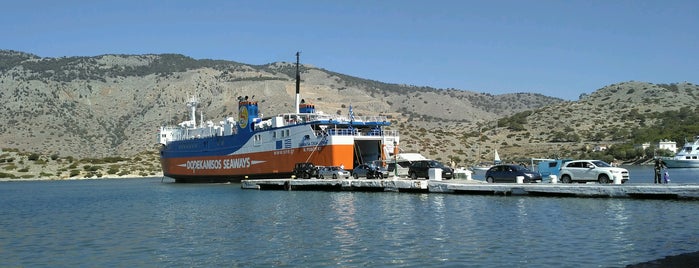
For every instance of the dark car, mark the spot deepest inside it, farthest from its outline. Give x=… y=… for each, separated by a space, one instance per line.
x=305 y=170
x=369 y=171
x=509 y=173
x=420 y=169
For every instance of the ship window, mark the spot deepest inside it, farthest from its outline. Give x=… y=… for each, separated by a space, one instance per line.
x=274 y=134
x=257 y=140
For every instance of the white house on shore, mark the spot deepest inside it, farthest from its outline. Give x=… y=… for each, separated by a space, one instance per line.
x=669 y=145
x=664 y=144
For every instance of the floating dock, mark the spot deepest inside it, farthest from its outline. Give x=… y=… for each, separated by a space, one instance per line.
x=476 y=187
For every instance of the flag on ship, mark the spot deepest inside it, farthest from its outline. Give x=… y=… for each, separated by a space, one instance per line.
x=351 y=113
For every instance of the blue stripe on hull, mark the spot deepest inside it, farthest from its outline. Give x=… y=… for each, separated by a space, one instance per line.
x=212 y=146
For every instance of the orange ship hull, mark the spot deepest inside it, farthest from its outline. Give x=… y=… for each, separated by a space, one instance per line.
x=268 y=164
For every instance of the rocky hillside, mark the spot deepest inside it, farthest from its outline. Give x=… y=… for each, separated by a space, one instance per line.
x=618 y=113
x=111 y=105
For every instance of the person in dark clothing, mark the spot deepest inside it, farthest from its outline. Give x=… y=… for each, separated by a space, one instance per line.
x=659 y=165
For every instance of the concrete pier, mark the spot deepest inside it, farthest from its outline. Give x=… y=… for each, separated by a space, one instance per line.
x=475 y=187
x=384 y=185
x=649 y=191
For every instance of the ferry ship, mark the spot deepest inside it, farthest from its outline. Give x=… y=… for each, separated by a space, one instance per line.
x=254 y=147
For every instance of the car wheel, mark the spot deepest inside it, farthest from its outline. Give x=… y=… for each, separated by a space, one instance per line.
x=356 y=176
x=334 y=176
x=413 y=175
x=380 y=176
x=306 y=175
x=490 y=180
x=604 y=179
x=566 y=179
x=320 y=177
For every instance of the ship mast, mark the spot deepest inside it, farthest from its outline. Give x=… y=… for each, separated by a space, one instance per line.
x=298 y=83
x=192 y=104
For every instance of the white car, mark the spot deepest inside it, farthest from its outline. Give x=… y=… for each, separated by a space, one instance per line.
x=333 y=172
x=592 y=170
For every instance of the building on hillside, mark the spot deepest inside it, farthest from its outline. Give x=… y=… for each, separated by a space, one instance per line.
x=642 y=146
x=669 y=145
x=599 y=148
x=663 y=144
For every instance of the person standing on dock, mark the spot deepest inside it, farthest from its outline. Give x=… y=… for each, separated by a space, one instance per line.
x=659 y=165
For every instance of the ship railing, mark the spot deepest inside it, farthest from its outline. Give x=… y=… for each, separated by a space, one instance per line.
x=303 y=118
x=358 y=132
x=178 y=133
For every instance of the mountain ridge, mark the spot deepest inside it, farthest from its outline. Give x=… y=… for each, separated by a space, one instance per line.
x=111 y=105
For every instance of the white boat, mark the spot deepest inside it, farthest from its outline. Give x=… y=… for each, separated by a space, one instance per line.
x=484 y=166
x=687 y=157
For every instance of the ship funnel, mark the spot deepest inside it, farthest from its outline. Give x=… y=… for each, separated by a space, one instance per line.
x=247 y=113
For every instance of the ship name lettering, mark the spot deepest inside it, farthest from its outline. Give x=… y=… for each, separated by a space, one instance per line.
x=204 y=164
x=236 y=163
x=228 y=163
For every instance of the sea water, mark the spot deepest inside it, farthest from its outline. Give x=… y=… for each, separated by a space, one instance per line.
x=146 y=223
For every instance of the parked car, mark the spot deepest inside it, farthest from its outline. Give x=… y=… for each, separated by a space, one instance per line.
x=420 y=169
x=333 y=172
x=592 y=170
x=305 y=170
x=509 y=173
x=369 y=171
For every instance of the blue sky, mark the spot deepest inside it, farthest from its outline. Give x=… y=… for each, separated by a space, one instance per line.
x=556 y=48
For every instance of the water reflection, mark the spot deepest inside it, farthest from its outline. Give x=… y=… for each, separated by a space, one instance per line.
x=345 y=227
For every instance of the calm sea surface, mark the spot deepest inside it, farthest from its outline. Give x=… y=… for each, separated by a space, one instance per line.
x=146 y=223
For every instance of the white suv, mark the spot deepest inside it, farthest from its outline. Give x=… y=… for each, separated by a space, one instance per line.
x=592 y=170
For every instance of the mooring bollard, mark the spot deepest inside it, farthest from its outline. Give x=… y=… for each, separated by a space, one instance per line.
x=520 y=179
x=435 y=174
x=554 y=178
x=617 y=180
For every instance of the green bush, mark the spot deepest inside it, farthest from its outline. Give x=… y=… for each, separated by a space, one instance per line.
x=33 y=157
x=9 y=167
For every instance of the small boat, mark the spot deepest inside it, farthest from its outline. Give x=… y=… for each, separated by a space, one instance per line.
x=687 y=157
